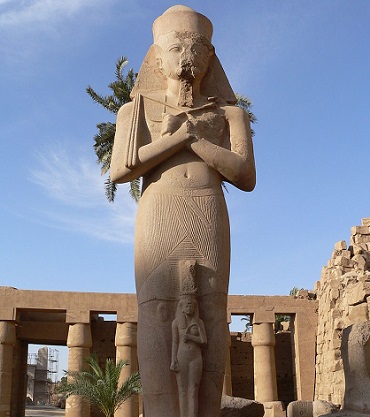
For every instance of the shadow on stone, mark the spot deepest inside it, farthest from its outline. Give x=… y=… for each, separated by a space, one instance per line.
x=240 y=407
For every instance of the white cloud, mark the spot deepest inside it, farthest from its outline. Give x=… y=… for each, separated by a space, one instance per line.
x=76 y=201
x=18 y=12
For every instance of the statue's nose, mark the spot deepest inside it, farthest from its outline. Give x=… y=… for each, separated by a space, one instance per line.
x=186 y=56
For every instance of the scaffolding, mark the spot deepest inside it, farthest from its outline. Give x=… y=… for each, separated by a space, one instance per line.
x=42 y=373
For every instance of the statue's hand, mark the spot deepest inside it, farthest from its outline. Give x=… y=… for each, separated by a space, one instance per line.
x=170 y=124
x=175 y=366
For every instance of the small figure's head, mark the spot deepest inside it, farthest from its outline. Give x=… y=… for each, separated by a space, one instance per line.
x=188 y=304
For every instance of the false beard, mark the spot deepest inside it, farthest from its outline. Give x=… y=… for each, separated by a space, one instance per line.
x=186 y=93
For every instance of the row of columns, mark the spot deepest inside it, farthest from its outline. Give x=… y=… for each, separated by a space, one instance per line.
x=79 y=343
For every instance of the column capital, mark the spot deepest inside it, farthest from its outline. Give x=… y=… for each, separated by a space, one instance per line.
x=263 y=334
x=79 y=335
x=7 y=333
x=126 y=334
x=7 y=313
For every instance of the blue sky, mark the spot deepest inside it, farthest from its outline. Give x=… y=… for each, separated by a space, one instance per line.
x=306 y=67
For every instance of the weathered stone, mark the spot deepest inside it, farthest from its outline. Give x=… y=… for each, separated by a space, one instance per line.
x=300 y=408
x=343 y=261
x=362 y=238
x=360 y=230
x=357 y=249
x=358 y=313
x=340 y=245
x=184 y=141
x=355 y=354
x=320 y=407
x=357 y=293
x=365 y=221
x=240 y=407
x=274 y=409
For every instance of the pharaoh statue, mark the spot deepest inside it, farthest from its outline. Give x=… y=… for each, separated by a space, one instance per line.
x=184 y=136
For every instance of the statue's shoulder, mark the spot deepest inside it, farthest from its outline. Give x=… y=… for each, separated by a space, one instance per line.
x=233 y=111
x=125 y=111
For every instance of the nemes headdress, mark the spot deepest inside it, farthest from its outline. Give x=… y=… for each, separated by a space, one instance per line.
x=182 y=19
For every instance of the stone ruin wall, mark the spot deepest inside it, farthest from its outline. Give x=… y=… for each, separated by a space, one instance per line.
x=343 y=293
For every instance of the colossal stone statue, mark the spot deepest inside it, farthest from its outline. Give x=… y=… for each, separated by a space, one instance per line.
x=183 y=135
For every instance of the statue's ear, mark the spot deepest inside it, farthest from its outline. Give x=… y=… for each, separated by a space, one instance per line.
x=158 y=60
x=157 y=50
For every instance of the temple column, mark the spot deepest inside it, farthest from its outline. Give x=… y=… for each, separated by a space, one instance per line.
x=79 y=342
x=263 y=342
x=7 y=341
x=265 y=383
x=126 y=349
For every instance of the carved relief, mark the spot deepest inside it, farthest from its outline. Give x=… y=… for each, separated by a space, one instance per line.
x=188 y=336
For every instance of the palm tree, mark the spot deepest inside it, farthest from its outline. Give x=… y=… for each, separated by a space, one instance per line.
x=101 y=387
x=121 y=89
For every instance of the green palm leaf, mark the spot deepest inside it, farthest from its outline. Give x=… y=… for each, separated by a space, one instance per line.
x=102 y=387
x=104 y=139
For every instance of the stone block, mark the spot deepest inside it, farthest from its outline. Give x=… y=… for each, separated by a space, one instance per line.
x=337 y=343
x=360 y=230
x=361 y=238
x=240 y=407
x=337 y=365
x=320 y=408
x=365 y=221
x=340 y=245
x=359 y=312
x=358 y=292
x=274 y=409
x=360 y=261
x=357 y=249
x=339 y=324
x=300 y=408
x=343 y=261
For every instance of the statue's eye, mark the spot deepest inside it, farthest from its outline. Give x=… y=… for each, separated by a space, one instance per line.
x=174 y=48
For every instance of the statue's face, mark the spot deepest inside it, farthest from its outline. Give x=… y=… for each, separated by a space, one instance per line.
x=184 y=55
x=188 y=305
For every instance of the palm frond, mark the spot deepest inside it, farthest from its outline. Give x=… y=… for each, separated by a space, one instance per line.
x=121 y=88
x=110 y=190
x=135 y=189
x=121 y=62
x=102 y=387
x=246 y=104
x=104 y=101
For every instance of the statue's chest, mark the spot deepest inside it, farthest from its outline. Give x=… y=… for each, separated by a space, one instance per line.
x=206 y=124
